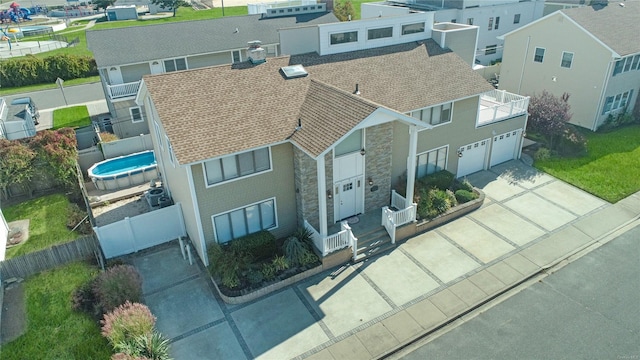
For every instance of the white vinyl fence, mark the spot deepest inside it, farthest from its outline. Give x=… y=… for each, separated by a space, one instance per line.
x=142 y=231
x=126 y=146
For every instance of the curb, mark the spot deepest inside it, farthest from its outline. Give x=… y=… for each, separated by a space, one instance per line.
x=543 y=272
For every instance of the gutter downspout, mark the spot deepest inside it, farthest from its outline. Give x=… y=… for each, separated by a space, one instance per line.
x=526 y=56
x=605 y=83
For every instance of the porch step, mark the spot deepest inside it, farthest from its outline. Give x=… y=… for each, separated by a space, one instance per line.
x=373 y=243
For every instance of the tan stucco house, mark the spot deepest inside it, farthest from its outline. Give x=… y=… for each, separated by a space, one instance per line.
x=591 y=52
x=314 y=138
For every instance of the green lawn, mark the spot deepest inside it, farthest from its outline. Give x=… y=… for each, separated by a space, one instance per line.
x=73 y=117
x=609 y=170
x=48 y=223
x=54 y=330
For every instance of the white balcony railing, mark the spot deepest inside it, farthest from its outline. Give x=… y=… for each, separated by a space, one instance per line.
x=496 y=105
x=123 y=90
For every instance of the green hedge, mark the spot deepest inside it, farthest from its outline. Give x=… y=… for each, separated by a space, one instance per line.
x=260 y=245
x=30 y=70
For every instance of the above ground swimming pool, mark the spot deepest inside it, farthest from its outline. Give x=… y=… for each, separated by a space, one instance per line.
x=124 y=171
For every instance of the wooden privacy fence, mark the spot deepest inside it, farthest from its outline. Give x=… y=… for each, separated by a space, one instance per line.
x=35 y=262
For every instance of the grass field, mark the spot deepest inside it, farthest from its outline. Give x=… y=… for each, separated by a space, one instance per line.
x=73 y=117
x=611 y=168
x=54 y=330
x=48 y=223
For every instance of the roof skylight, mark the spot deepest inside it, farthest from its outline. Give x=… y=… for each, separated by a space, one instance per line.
x=294 y=71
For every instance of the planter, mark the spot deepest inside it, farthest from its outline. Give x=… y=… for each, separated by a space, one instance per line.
x=406 y=231
x=244 y=296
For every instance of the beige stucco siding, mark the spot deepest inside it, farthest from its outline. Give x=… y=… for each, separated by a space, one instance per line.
x=278 y=183
x=199 y=61
x=175 y=179
x=585 y=79
x=135 y=72
x=122 y=124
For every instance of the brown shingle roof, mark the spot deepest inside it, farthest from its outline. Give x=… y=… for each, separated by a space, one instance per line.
x=215 y=111
x=616 y=26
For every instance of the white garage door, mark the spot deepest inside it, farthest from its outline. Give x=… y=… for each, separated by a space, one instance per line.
x=471 y=158
x=504 y=147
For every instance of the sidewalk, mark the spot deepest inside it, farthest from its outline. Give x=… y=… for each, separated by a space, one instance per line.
x=530 y=221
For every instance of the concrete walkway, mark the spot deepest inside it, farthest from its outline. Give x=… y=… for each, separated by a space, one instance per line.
x=529 y=222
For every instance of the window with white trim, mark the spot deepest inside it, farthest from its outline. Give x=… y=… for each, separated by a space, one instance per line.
x=516 y=19
x=237 y=166
x=434 y=115
x=175 y=64
x=431 y=162
x=156 y=126
x=343 y=38
x=412 y=28
x=136 y=114
x=636 y=63
x=380 y=33
x=497 y=23
x=236 y=56
x=617 y=102
x=539 y=55
x=567 y=60
x=170 y=151
x=490 y=23
x=247 y=220
x=490 y=49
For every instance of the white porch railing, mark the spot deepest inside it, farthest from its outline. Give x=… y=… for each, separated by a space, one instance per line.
x=392 y=219
x=333 y=242
x=496 y=105
x=123 y=90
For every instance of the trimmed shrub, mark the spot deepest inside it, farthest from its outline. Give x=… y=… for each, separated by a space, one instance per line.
x=32 y=70
x=464 y=185
x=439 y=180
x=268 y=271
x=255 y=277
x=117 y=285
x=228 y=264
x=126 y=322
x=260 y=245
x=83 y=299
x=463 y=196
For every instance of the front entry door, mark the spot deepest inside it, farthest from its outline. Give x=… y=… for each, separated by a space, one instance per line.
x=347 y=197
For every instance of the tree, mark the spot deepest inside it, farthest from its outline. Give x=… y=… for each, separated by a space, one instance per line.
x=548 y=116
x=57 y=150
x=103 y=4
x=16 y=164
x=170 y=4
x=344 y=10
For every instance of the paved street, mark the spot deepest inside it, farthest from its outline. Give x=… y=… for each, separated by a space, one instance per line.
x=529 y=221
x=52 y=98
x=589 y=309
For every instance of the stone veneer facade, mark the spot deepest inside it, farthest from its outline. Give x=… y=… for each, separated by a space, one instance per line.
x=378 y=144
x=306 y=182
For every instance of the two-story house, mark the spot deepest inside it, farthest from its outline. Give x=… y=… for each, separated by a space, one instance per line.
x=319 y=136
x=493 y=18
x=591 y=53
x=124 y=55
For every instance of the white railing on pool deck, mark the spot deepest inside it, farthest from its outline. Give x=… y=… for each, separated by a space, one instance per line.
x=397 y=200
x=333 y=242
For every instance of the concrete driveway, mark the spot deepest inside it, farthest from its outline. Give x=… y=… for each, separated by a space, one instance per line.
x=528 y=221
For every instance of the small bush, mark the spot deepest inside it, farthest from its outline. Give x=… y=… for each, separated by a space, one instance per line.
x=464 y=196
x=295 y=250
x=464 y=185
x=126 y=322
x=268 y=271
x=231 y=267
x=572 y=143
x=152 y=346
x=108 y=137
x=117 y=285
x=260 y=245
x=309 y=258
x=75 y=216
x=542 y=154
x=280 y=263
x=84 y=300
x=255 y=277
x=439 y=180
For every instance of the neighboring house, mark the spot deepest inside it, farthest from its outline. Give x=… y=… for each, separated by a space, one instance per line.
x=596 y=59
x=493 y=18
x=124 y=55
x=318 y=137
x=17 y=120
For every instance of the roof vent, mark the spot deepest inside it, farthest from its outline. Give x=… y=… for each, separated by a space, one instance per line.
x=256 y=53
x=294 y=71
